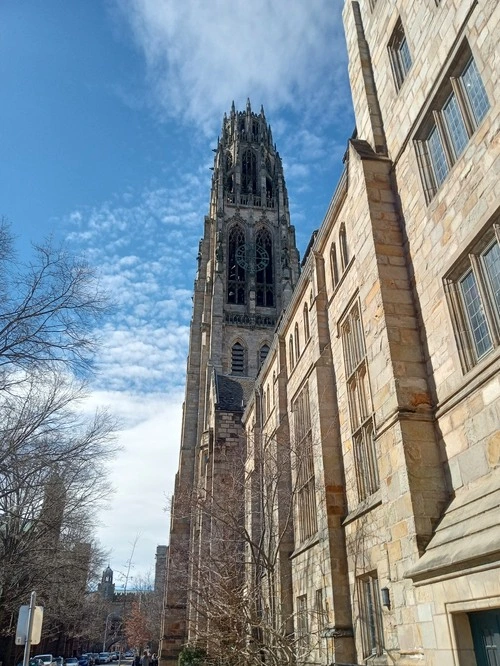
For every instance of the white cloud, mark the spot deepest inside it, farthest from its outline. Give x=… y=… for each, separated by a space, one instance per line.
x=142 y=475
x=201 y=55
x=144 y=246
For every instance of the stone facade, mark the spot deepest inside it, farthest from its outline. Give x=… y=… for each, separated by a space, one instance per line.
x=247 y=269
x=371 y=435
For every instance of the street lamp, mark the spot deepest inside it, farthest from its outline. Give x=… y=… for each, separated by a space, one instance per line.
x=106 y=631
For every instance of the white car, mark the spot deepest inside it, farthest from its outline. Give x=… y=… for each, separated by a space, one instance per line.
x=47 y=659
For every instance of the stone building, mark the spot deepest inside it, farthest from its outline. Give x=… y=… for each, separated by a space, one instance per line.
x=106 y=588
x=372 y=432
x=247 y=268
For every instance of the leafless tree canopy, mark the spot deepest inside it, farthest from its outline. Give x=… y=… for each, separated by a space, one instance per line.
x=53 y=455
x=49 y=311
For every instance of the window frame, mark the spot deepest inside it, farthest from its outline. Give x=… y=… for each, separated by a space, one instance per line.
x=307 y=516
x=236 y=283
x=291 y=354
x=302 y=624
x=401 y=60
x=370 y=615
x=307 y=329
x=437 y=128
x=472 y=263
x=344 y=254
x=334 y=267
x=264 y=278
x=263 y=353
x=239 y=347
x=296 y=335
x=360 y=406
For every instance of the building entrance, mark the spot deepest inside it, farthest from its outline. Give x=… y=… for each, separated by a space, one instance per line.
x=485 y=627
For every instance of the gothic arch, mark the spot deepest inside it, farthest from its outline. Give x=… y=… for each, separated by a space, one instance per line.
x=297 y=341
x=307 y=331
x=334 y=265
x=263 y=352
x=238 y=358
x=236 y=273
x=264 y=262
x=344 y=256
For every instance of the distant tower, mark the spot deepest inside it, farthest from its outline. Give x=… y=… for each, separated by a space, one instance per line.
x=106 y=587
x=248 y=265
x=52 y=513
x=160 y=568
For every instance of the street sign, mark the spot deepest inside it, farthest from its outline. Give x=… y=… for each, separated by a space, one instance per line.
x=22 y=625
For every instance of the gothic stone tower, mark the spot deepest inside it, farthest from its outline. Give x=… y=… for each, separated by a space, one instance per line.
x=247 y=267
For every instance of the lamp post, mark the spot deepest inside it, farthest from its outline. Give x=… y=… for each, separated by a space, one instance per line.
x=106 y=631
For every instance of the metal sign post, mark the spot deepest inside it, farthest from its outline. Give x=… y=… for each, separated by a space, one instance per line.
x=31 y=614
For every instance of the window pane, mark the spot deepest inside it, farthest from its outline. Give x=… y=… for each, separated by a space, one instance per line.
x=404 y=56
x=438 y=159
x=491 y=260
x=475 y=314
x=475 y=91
x=455 y=124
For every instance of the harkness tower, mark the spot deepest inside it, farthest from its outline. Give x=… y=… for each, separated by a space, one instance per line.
x=248 y=266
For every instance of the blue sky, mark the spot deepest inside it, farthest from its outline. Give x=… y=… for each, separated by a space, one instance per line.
x=109 y=113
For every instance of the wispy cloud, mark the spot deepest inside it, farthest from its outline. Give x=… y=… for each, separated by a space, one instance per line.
x=201 y=55
x=144 y=246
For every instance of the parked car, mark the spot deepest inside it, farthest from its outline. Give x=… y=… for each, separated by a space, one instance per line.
x=129 y=654
x=104 y=658
x=47 y=659
x=71 y=661
x=83 y=660
x=97 y=661
x=59 y=661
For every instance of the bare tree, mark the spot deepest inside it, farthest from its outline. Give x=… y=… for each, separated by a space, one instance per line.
x=52 y=455
x=240 y=603
x=48 y=311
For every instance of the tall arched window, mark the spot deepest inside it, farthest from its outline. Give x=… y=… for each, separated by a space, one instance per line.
x=344 y=257
x=264 y=261
x=333 y=265
x=274 y=387
x=268 y=403
x=290 y=352
x=307 y=332
x=297 y=342
x=249 y=173
x=238 y=359
x=236 y=274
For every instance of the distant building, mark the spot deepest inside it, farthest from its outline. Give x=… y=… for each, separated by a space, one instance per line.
x=106 y=588
x=160 y=568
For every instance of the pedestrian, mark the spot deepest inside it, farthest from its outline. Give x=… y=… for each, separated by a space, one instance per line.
x=145 y=661
x=137 y=660
x=154 y=659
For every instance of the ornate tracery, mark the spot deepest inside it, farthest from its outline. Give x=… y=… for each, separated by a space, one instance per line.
x=236 y=275
x=264 y=282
